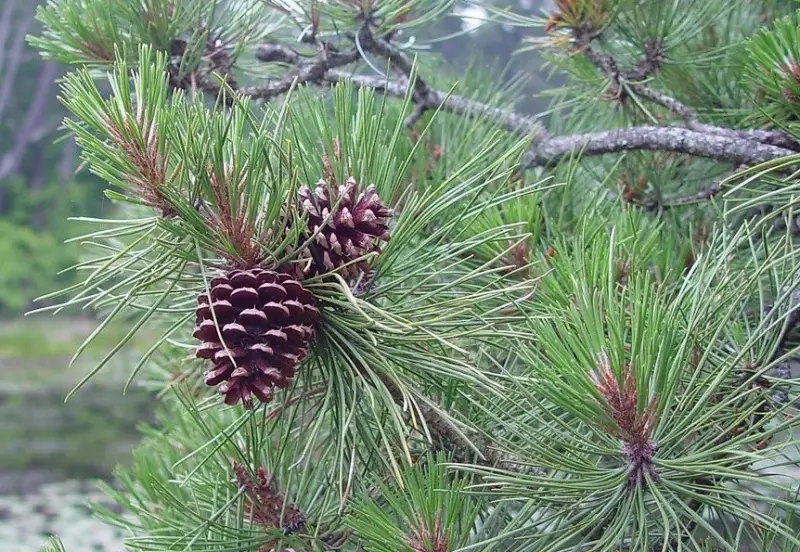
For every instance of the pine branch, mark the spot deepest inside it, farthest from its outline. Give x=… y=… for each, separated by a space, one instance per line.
x=423 y=94
x=509 y=120
x=721 y=147
x=326 y=71
x=705 y=193
x=650 y=62
x=712 y=142
x=305 y=72
x=741 y=147
x=396 y=58
x=620 y=85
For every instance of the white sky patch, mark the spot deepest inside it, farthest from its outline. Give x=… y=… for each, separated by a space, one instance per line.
x=472 y=17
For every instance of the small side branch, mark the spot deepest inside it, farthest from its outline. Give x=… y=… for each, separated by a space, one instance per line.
x=510 y=120
x=704 y=194
x=423 y=94
x=446 y=437
x=307 y=72
x=650 y=63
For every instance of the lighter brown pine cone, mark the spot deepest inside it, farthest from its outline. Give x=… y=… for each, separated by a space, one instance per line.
x=357 y=227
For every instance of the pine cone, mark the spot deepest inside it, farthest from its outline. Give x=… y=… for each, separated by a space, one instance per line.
x=267 y=322
x=355 y=229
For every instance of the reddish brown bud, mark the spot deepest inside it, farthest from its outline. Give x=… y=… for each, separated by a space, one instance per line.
x=265 y=505
x=619 y=400
x=428 y=539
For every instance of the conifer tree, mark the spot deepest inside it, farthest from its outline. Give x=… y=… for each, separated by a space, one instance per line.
x=393 y=314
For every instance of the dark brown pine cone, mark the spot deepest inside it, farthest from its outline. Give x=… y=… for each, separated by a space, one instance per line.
x=358 y=225
x=267 y=322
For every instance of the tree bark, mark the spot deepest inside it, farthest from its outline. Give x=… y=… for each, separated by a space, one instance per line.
x=653 y=138
x=5 y=24
x=11 y=161
x=15 y=51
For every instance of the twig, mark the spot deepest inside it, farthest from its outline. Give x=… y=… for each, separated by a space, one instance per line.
x=424 y=96
x=447 y=438
x=511 y=121
x=650 y=63
x=705 y=193
x=309 y=72
x=397 y=59
x=269 y=53
x=416 y=114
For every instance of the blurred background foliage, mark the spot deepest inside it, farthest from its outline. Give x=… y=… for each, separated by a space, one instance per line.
x=39 y=185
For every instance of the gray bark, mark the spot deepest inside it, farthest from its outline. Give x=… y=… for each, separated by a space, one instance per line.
x=11 y=161
x=5 y=25
x=15 y=51
x=675 y=139
x=510 y=120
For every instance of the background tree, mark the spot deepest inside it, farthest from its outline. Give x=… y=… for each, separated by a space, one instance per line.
x=39 y=187
x=422 y=320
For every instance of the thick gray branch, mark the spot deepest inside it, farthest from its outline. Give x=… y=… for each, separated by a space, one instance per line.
x=675 y=139
x=772 y=137
x=741 y=147
x=621 y=83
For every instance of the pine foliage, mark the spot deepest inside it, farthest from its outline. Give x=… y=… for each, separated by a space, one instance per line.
x=504 y=354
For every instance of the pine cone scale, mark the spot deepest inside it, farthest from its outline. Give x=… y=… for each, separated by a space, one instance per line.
x=343 y=226
x=256 y=331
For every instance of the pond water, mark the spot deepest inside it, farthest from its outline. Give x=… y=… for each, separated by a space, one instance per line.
x=52 y=453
